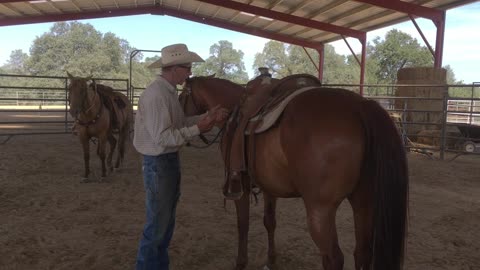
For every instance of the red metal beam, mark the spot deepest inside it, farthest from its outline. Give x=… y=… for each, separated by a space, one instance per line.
x=156 y=10
x=429 y=13
x=236 y=27
x=362 y=66
x=321 y=62
x=439 y=42
x=12 y=1
x=436 y=15
x=75 y=16
x=287 y=18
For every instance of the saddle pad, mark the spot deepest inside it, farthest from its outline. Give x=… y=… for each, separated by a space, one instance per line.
x=271 y=117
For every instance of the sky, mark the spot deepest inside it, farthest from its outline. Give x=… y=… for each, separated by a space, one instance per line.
x=152 y=32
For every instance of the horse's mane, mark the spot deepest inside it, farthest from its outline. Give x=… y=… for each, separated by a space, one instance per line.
x=213 y=78
x=224 y=91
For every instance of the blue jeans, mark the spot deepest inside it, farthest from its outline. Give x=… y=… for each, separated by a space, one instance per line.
x=161 y=176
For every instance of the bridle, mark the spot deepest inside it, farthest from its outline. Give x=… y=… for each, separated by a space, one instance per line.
x=188 y=93
x=85 y=111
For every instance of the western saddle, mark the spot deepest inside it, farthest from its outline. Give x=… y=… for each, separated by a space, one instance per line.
x=262 y=96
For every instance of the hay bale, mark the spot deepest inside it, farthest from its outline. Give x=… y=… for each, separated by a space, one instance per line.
x=433 y=137
x=421 y=76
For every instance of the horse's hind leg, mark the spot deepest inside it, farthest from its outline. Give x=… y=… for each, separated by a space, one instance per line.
x=321 y=223
x=102 y=141
x=113 y=143
x=270 y=223
x=362 y=205
x=242 y=206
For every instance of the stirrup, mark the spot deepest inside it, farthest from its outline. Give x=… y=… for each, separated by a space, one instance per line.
x=234 y=187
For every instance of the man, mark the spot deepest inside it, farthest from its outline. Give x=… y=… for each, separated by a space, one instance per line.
x=161 y=128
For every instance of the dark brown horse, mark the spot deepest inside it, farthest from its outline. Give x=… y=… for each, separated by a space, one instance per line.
x=93 y=118
x=328 y=145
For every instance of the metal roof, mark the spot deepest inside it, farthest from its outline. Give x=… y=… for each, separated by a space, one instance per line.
x=301 y=22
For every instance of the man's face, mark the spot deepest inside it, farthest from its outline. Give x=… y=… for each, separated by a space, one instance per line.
x=183 y=72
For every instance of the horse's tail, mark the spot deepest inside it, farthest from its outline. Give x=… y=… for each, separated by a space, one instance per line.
x=385 y=162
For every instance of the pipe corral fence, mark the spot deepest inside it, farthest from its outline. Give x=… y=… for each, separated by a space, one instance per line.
x=33 y=105
x=38 y=105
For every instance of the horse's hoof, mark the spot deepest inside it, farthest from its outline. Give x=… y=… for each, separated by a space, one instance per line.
x=240 y=267
x=84 y=180
x=269 y=267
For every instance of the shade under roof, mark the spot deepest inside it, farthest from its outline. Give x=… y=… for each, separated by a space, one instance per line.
x=305 y=23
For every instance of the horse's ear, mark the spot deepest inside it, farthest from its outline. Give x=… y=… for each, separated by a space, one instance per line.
x=70 y=76
x=89 y=78
x=211 y=76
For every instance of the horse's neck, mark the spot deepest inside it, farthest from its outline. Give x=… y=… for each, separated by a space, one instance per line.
x=228 y=95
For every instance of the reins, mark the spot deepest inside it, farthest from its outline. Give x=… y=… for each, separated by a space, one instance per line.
x=188 y=94
x=207 y=143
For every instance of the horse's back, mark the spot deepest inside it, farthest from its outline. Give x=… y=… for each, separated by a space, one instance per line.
x=326 y=112
x=319 y=137
x=118 y=104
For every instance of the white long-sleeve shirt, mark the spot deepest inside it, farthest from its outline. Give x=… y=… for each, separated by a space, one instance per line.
x=160 y=123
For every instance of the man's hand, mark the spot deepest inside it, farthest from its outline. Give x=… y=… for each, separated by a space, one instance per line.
x=206 y=123
x=220 y=114
x=215 y=115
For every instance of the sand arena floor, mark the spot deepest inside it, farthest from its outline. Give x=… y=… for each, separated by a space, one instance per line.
x=49 y=220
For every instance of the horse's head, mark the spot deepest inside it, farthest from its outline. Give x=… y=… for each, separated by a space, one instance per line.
x=190 y=100
x=77 y=94
x=202 y=93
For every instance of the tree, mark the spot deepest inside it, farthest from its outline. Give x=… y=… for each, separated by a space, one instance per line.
x=79 y=49
x=274 y=56
x=16 y=63
x=225 y=62
x=396 y=51
x=339 y=69
x=284 y=60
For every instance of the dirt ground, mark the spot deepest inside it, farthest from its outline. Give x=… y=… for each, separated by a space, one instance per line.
x=50 y=220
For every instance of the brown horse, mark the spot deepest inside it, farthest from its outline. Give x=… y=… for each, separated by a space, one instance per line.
x=328 y=145
x=93 y=118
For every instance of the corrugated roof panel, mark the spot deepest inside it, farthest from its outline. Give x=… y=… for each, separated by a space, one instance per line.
x=24 y=9
x=346 y=13
x=276 y=26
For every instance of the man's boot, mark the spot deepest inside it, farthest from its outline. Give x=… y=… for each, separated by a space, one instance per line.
x=233 y=189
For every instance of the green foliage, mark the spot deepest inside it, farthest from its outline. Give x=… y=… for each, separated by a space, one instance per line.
x=283 y=60
x=17 y=61
x=225 y=62
x=274 y=56
x=82 y=50
x=77 y=48
x=396 y=51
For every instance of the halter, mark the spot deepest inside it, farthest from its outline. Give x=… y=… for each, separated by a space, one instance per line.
x=99 y=113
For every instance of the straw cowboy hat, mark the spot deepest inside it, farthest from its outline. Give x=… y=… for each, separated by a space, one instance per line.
x=176 y=54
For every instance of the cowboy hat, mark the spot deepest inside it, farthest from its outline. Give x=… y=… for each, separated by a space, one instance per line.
x=176 y=54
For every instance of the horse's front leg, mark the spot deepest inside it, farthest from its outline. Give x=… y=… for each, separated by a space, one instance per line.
x=102 y=142
x=86 y=155
x=269 y=221
x=243 y=214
